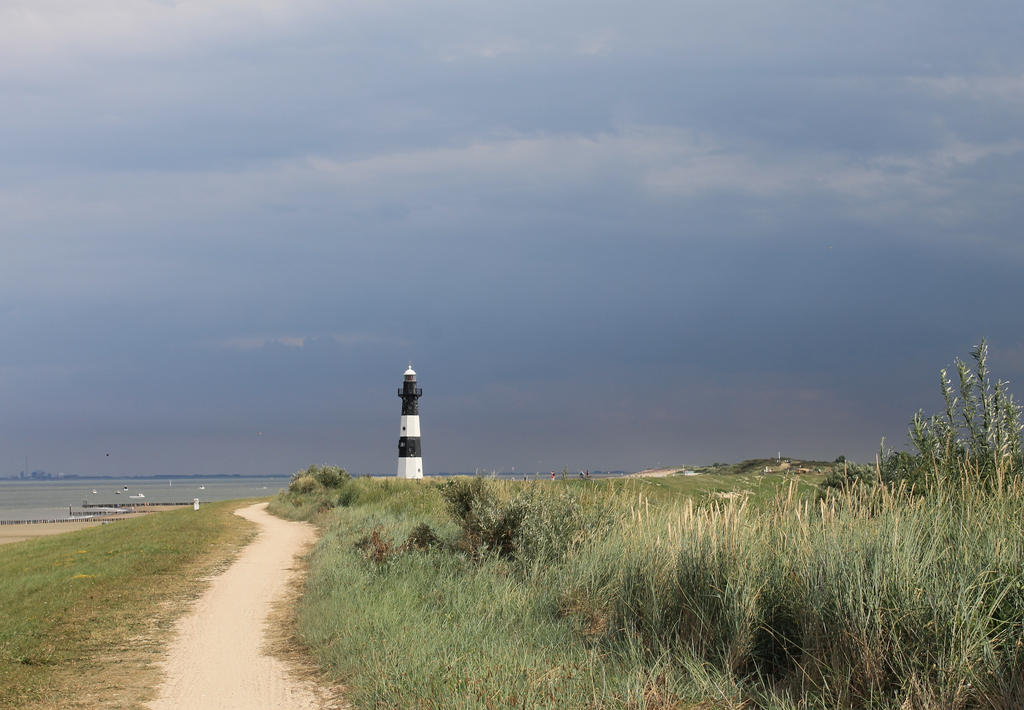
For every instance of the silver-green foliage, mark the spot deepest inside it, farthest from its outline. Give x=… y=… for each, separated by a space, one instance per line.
x=979 y=433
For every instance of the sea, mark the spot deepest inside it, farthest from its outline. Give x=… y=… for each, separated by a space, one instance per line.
x=28 y=500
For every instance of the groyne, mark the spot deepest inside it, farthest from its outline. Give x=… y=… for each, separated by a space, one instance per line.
x=141 y=504
x=77 y=519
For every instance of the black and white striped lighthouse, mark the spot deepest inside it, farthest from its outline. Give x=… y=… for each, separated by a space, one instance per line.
x=410 y=462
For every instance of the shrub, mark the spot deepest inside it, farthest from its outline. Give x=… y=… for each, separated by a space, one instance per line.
x=318 y=476
x=330 y=476
x=846 y=474
x=464 y=500
x=347 y=496
x=376 y=547
x=303 y=484
x=531 y=525
x=979 y=433
x=488 y=524
x=976 y=440
x=422 y=537
x=552 y=524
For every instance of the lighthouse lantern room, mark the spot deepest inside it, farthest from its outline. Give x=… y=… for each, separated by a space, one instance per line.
x=410 y=461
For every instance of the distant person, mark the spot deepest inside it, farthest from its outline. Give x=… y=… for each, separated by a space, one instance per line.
x=552 y=475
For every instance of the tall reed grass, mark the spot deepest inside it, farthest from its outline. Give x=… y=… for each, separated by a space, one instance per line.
x=869 y=598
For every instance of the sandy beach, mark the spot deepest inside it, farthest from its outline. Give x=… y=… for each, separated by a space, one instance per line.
x=17 y=533
x=655 y=472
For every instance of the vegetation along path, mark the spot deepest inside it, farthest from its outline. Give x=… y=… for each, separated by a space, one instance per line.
x=217 y=657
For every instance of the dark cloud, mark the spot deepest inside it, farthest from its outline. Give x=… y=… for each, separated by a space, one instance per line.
x=607 y=237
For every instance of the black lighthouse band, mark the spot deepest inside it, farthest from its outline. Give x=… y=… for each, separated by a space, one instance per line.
x=409 y=446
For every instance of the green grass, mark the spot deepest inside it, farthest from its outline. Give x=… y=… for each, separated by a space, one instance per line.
x=72 y=605
x=710 y=487
x=434 y=630
x=756 y=466
x=667 y=594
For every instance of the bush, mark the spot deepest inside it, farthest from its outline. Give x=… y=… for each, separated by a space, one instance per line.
x=303 y=484
x=845 y=474
x=531 y=525
x=488 y=525
x=347 y=496
x=330 y=476
x=307 y=480
x=376 y=547
x=464 y=500
x=552 y=524
x=422 y=538
x=978 y=435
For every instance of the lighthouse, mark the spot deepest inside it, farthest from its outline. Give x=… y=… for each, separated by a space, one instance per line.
x=410 y=463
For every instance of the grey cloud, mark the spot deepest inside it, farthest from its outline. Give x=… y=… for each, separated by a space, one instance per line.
x=661 y=231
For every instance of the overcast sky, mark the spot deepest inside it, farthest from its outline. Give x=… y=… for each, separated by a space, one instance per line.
x=606 y=234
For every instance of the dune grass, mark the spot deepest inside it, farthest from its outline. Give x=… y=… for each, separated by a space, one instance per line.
x=81 y=612
x=871 y=599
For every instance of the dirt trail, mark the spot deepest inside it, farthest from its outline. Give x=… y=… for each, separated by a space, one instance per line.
x=216 y=658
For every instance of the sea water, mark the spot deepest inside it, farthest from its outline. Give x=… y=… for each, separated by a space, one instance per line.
x=23 y=500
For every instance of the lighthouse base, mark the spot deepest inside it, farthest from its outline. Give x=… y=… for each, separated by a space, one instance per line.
x=411 y=467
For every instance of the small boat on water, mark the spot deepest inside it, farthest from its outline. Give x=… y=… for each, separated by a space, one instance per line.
x=202 y=488
x=139 y=495
x=94 y=491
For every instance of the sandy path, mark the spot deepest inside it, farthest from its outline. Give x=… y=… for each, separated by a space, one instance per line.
x=216 y=658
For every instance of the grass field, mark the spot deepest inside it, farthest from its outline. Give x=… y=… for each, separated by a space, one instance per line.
x=82 y=613
x=665 y=593
x=757 y=489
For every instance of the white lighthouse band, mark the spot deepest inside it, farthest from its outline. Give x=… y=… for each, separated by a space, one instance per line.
x=410 y=456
